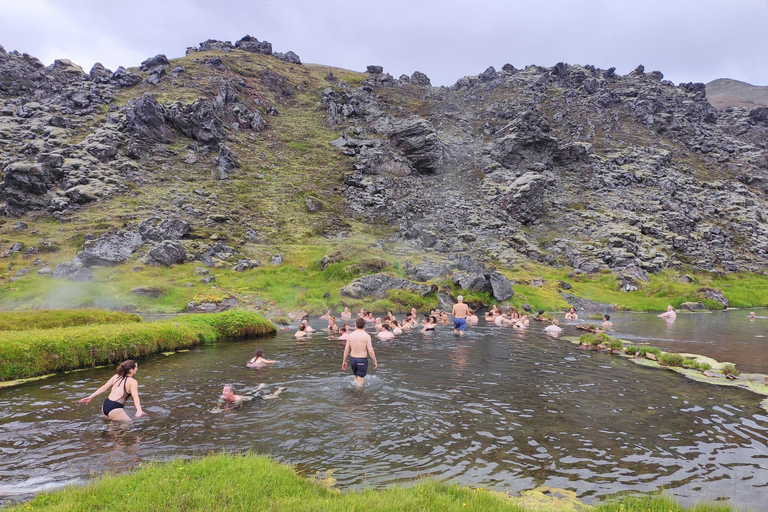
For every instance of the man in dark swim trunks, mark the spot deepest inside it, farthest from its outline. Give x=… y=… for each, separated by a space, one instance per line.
x=358 y=347
x=460 y=313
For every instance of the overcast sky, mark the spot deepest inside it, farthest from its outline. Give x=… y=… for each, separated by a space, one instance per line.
x=687 y=40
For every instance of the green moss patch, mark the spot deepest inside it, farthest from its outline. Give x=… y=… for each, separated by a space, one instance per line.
x=25 y=354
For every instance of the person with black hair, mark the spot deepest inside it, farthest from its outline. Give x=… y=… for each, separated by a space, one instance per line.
x=607 y=324
x=123 y=384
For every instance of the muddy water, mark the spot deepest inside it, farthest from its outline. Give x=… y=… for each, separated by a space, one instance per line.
x=496 y=409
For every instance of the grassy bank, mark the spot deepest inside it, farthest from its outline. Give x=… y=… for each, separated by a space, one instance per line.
x=25 y=354
x=52 y=319
x=224 y=482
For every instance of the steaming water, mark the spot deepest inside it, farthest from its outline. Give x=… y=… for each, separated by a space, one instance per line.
x=497 y=409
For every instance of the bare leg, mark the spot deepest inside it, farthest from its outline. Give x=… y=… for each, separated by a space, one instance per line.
x=118 y=415
x=359 y=381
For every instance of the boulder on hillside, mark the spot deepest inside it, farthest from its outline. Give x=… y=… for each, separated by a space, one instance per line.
x=289 y=57
x=475 y=281
x=72 y=270
x=109 y=249
x=500 y=286
x=525 y=141
x=376 y=285
x=716 y=295
x=419 y=78
x=157 y=229
x=251 y=44
x=166 y=253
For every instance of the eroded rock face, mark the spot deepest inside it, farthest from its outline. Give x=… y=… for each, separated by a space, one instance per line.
x=26 y=186
x=109 y=249
x=376 y=286
x=500 y=286
x=524 y=197
x=417 y=140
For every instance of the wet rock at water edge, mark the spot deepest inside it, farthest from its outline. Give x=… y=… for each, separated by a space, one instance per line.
x=212 y=307
x=692 y=306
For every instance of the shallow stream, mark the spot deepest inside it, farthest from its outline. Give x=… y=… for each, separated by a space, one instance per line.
x=498 y=408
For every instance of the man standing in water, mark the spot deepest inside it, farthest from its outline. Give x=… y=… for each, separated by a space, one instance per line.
x=358 y=347
x=460 y=312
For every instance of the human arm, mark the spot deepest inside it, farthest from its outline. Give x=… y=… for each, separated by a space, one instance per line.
x=99 y=391
x=344 y=358
x=372 y=353
x=134 y=390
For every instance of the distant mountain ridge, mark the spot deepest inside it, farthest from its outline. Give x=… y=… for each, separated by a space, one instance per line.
x=726 y=92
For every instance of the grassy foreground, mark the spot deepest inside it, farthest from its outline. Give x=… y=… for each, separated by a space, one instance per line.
x=51 y=319
x=25 y=354
x=227 y=482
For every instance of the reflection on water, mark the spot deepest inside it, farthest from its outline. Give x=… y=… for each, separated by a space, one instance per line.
x=723 y=335
x=498 y=408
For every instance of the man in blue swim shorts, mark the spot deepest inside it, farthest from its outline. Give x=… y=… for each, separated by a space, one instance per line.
x=460 y=312
x=359 y=347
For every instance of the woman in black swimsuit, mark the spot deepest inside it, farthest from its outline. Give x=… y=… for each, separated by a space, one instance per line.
x=123 y=384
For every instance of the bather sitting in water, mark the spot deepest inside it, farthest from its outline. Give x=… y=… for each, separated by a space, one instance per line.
x=258 y=360
x=670 y=314
x=302 y=332
x=571 y=315
x=553 y=329
x=230 y=400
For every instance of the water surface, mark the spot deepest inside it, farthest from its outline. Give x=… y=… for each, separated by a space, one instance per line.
x=498 y=409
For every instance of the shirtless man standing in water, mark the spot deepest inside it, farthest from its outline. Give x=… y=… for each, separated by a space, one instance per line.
x=460 y=313
x=358 y=347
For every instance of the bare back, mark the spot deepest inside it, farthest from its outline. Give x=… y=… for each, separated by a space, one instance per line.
x=460 y=310
x=359 y=343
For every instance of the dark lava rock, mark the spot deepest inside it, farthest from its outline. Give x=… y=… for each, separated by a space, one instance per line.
x=110 y=249
x=100 y=74
x=289 y=57
x=25 y=186
x=74 y=271
x=472 y=281
x=145 y=118
x=157 y=64
x=500 y=285
x=692 y=306
x=417 y=140
x=374 y=70
x=524 y=197
x=419 y=78
x=376 y=285
x=148 y=291
x=246 y=264
x=125 y=78
x=157 y=229
x=228 y=163
x=251 y=44
x=585 y=304
x=167 y=253
x=716 y=295
x=211 y=307
x=564 y=285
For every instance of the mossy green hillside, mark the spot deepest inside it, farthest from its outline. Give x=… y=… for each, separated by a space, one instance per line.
x=25 y=354
x=231 y=482
x=50 y=319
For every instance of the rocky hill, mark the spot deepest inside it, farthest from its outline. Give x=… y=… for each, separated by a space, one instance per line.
x=724 y=93
x=235 y=149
